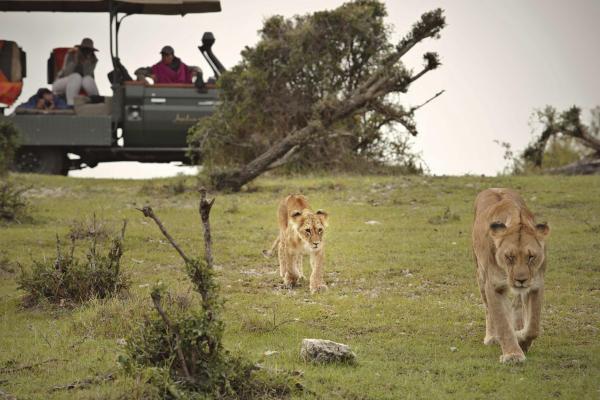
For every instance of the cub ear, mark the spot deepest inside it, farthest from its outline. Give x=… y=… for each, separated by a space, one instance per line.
x=323 y=216
x=542 y=229
x=295 y=214
x=497 y=228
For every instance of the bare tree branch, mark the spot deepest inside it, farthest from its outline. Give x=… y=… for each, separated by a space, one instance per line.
x=438 y=94
x=156 y=300
x=147 y=211
x=204 y=210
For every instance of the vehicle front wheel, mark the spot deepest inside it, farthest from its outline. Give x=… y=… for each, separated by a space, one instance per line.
x=42 y=160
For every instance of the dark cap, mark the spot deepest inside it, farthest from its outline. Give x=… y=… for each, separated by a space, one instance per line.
x=167 y=50
x=87 y=43
x=42 y=91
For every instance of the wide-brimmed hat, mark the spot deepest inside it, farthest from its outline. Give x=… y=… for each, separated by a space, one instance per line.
x=167 y=50
x=88 y=44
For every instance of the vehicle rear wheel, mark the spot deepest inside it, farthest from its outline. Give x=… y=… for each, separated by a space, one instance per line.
x=42 y=160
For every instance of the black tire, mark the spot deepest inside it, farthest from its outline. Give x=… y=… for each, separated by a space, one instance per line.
x=42 y=160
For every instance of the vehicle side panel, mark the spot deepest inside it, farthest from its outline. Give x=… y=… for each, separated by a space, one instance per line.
x=63 y=130
x=162 y=116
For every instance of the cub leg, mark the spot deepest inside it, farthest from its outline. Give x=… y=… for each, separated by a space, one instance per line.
x=533 y=310
x=281 y=255
x=291 y=273
x=499 y=313
x=299 y=268
x=316 y=276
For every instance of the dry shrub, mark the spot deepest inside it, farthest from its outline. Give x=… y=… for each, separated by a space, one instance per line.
x=179 y=348
x=68 y=279
x=13 y=205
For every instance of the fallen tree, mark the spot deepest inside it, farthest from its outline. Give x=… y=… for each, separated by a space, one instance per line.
x=356 y=106
x=567 y=124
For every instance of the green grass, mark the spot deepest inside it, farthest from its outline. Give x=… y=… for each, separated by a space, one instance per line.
x=401 y=292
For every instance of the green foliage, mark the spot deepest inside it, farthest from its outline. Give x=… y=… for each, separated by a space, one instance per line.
x=13 y=204
x=9 y=143
x=297 y=65
x=69 y=279
x=151 y=354
x=180 y=351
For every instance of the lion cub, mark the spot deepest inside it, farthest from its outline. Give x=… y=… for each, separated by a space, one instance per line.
x=510 y=253
x=300 y=232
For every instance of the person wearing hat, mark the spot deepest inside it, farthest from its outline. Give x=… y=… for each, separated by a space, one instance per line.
x=44 y=99
x=77 y=72
x=171 y=69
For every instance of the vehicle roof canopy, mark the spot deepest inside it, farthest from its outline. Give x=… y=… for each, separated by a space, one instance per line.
x=169 y=7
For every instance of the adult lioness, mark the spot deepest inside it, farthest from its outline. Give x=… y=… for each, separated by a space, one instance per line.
x=510 y=254
x=300 y=232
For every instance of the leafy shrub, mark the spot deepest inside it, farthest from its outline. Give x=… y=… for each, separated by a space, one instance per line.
x=13 y=205
x=69 y=279
x=297 y=63
x=179 y=349
x=9 y=142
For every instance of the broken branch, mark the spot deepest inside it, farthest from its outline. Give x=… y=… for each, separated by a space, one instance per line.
x=156 y=300
x=148 y=212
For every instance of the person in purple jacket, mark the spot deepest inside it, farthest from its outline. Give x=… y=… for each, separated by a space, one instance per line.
x=171 y=69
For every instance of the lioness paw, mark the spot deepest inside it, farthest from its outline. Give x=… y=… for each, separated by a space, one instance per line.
x=489 y=340
x=521 y=335
x=512 y=358
x=318 y=288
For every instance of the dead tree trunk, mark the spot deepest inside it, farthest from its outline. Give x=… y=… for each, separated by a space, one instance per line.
x=567 y=123
x=329 y=111
x=583 y=167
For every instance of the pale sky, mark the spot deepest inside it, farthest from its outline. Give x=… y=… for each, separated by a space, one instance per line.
x=501 y=60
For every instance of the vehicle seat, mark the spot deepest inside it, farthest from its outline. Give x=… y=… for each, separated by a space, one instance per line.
x=55 y=64
x=12 y=71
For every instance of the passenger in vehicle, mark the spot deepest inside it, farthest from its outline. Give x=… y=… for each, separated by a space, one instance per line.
x=77 y=72
x=171 y=69
x=44 y=99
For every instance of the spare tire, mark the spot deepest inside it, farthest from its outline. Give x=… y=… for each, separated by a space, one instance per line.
x=42 y=160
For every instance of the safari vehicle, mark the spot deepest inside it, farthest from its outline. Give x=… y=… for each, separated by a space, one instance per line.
x=140 y=122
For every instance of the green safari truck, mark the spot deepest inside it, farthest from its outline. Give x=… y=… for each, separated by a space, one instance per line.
x=141 y=121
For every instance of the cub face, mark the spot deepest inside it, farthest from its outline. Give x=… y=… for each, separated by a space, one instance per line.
x=310 y=227
x=520 y=253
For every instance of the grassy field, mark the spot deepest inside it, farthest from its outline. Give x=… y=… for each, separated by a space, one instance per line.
x=402 y=289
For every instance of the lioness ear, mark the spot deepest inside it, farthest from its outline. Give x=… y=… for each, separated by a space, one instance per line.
x=542 y=229
x=323 y=216
x=497 y=228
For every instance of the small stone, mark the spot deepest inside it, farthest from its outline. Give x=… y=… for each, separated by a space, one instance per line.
x=453 y=349
x=270 y=353
x=373 y=222
x=122 y=342
x=326 y=351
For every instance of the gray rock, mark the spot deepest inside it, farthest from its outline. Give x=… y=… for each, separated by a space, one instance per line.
x=325 y=351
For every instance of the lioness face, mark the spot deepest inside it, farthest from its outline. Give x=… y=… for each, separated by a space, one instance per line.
x=520 y=252
x=310 y=227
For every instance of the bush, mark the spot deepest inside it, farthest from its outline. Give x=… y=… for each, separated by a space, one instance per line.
x=69 y=279
x=179 y=349
x=151 y=353
x=13 y=205
x=298 y=63
x=9 y=143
